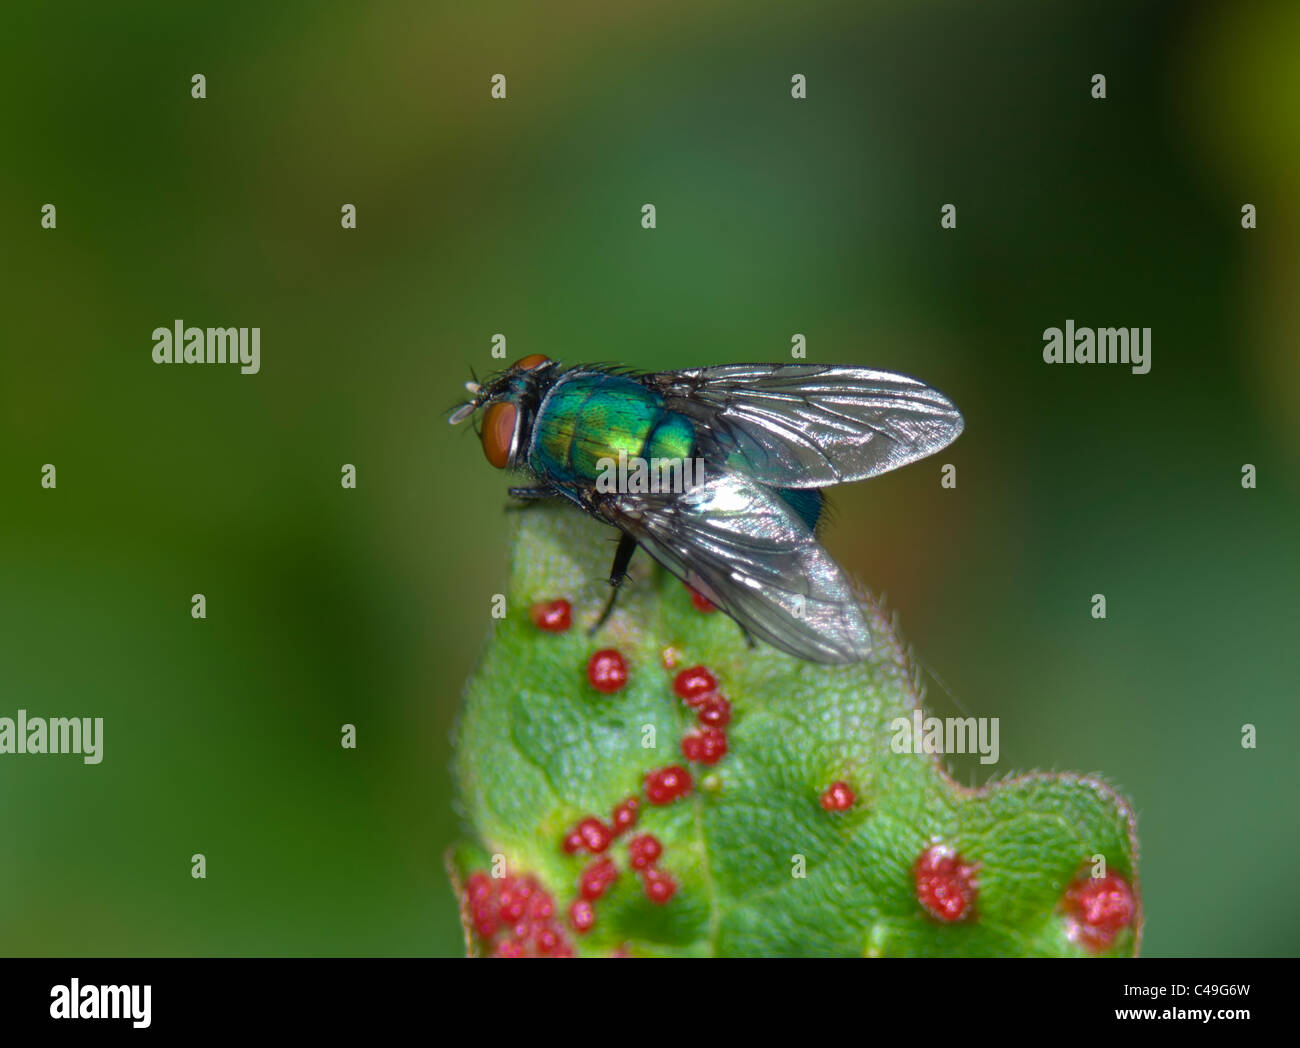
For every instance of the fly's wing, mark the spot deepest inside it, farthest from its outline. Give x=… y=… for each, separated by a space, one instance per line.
x=810 y=425
x=736 y=542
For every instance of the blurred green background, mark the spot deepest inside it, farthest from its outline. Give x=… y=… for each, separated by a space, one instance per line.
x=821 y=216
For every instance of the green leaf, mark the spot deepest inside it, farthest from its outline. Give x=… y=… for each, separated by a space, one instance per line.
x=538 y=749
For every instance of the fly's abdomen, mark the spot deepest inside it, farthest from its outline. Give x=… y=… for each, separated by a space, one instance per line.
x=588 y=420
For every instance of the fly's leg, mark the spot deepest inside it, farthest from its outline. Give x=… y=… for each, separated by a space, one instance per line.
x=528 y=497
x=749 y=637
x=617 y=573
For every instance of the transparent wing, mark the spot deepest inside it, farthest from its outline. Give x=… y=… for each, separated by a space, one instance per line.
x=737 y=543
x=810 y=425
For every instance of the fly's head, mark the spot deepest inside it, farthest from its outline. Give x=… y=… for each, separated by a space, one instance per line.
x=509 y=401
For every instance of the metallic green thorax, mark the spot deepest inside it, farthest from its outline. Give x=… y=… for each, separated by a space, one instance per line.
x=590 y=417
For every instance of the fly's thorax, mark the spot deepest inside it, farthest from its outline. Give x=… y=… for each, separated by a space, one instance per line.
x=588 y=420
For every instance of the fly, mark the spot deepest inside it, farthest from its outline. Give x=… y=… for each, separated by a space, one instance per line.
x=747 y=448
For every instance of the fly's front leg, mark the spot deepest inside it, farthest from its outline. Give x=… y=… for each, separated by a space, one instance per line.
x=617 y=573
x=528 y=497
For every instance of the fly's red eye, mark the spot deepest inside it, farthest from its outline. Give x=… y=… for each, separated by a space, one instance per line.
x=531 y=361
x=499 y=433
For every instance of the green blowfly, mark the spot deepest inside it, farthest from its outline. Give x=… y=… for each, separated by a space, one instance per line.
x=717 y=473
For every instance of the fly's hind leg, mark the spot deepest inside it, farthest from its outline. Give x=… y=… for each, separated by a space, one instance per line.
x=617 y=573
